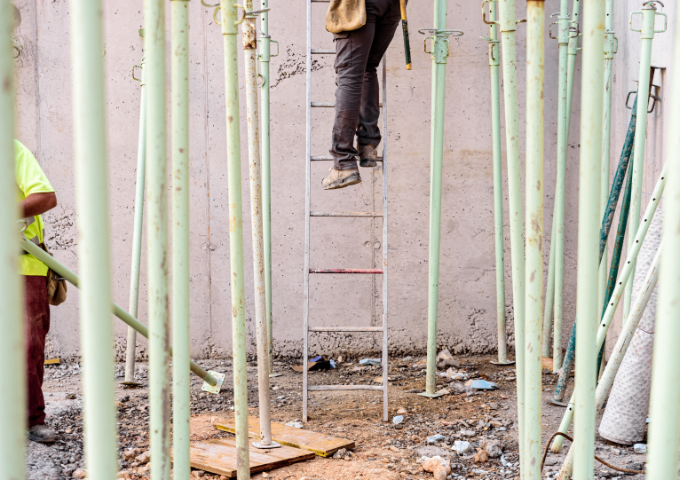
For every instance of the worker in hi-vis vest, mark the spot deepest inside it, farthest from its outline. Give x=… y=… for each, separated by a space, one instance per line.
x=35 y=196
x=362 y=31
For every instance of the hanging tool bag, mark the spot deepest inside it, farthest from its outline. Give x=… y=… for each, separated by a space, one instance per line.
x=56 y=285
x=345 y=15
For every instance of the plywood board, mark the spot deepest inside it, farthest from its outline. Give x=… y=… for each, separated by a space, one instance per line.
x=219 y=456
x=320 y=444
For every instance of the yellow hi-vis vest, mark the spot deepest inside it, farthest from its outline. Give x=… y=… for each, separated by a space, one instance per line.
x=30 y=179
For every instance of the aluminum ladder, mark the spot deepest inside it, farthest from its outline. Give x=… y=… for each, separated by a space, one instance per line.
x=309 y=214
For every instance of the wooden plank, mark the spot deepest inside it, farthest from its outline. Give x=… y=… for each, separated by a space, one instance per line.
x=219 y=456
x=53 y=361
x=320 y=444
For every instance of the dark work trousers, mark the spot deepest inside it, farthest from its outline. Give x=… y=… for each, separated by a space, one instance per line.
x=357 y=98
x=37 y=325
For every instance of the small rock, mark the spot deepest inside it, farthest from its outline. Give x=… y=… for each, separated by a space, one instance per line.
x=294 y=424
x=124 y=475
x=129 y=454
x=462 y=447
x=435 y=438
x=438 y=466
x=468 y=433
x=445 y=359
x=494 y=448
x=198 y=473
x=481 y=456
x=70 y=396
x=80 y=473
x=340 y=453
x=616 y=451
x=640 y=448
x=144 y=457
x=402 y=411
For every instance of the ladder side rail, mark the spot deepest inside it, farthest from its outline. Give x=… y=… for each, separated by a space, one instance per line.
x=308 y=202
x=384 y=249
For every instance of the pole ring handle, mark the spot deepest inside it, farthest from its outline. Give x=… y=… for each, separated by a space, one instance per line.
x=217 y=9
x=665 y=21
x=209 y=6
x=133 y=73
x=484 y=13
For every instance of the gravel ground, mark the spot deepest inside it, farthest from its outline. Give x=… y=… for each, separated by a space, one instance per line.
x=384 y=450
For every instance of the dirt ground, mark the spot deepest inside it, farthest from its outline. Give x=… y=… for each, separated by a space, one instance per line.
x=383 y=450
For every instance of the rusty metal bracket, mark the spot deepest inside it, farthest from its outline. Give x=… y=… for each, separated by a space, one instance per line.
x=492 y=57
x=215 y=14
x=440 y=42
x=484 y=13
x=133 y=73
x=654 y=98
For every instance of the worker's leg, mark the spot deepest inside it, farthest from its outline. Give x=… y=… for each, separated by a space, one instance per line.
x=352 y=52
x=368 y=132
x=37 y=325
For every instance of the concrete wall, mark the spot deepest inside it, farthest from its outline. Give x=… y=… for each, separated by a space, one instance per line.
x=467 y=320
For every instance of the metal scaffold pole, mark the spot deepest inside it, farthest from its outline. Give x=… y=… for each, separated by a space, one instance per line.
x=265 y=55
x=131 y=349
x=12 y=400
x=534 y=240
x=92 y=185
x=181 y=389
x=588 y=238
x=508 y=25
x=157 y=239
x=662 y=462
x=553 y=296
x=238 y=315
x=494 y=64
x=620 y=285
x=439 y=53
x=567 y=46
x=647 y=31
x=249 y=38
x=610 y=48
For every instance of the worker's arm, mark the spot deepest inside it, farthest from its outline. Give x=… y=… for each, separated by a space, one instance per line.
x=38 y=203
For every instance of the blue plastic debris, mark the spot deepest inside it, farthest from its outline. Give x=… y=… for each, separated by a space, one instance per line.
x=370 y=361
x=482 y=385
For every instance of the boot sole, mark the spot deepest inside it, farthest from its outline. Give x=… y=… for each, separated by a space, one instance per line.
x=368 y=163
x=35 y=438
x=343 y=183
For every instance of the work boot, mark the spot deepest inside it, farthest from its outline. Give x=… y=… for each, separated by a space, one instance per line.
x=41 y=434
x=341 y=178
x=368 y=155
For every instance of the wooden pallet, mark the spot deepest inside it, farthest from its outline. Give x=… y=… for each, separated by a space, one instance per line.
x=320 y=444
x=219 y=457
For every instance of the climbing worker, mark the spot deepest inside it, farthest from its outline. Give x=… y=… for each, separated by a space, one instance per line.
x=35 y=196
x=362 y=33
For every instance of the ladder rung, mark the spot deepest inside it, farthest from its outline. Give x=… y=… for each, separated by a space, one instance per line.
x=370 y=271
x=331 y=104
x=345 y=214
x=323 y=51
x=317 y=388
x=328 y=158
x=346 y=329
